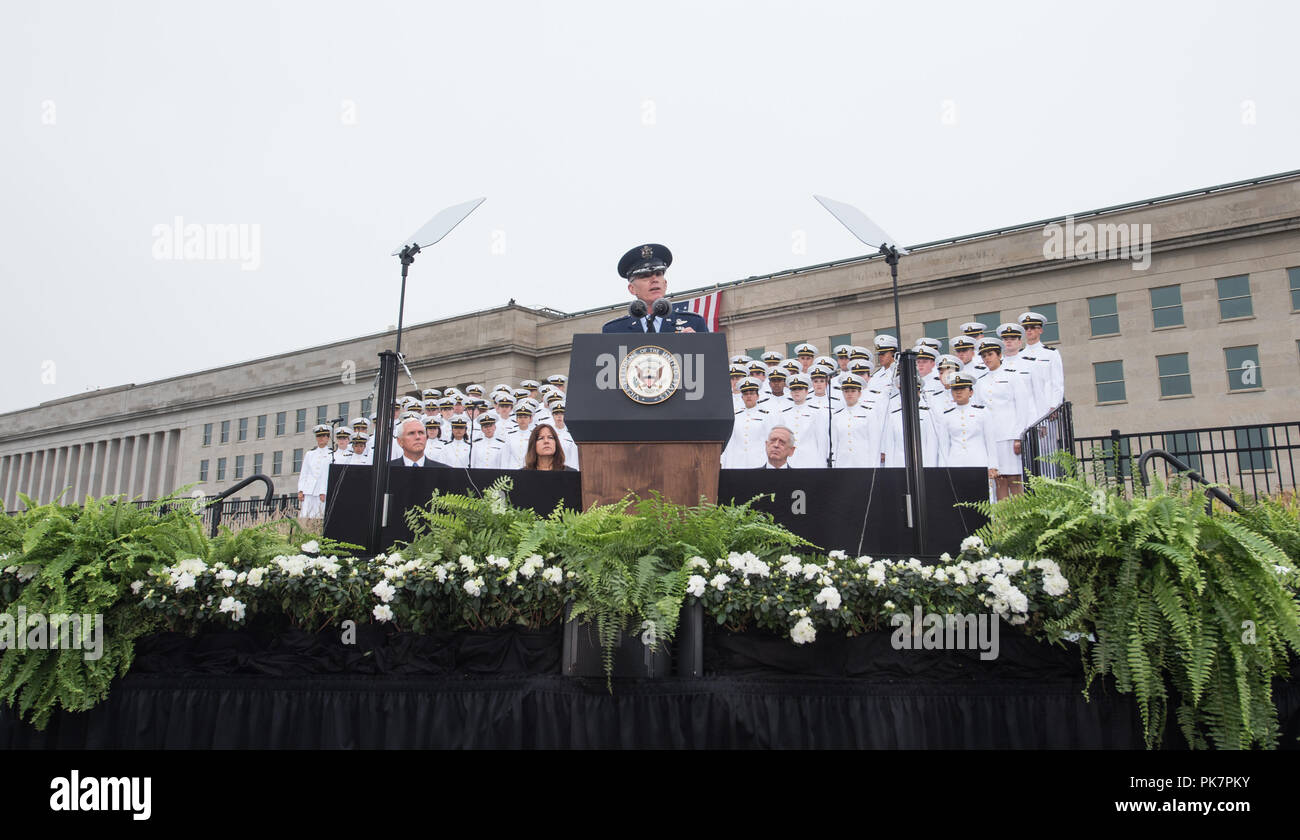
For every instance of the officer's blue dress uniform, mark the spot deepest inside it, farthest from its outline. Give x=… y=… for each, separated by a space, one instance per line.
x=651 y=257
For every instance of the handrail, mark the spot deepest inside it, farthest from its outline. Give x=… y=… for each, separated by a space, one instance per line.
x=1211 y=492
x=219 y=500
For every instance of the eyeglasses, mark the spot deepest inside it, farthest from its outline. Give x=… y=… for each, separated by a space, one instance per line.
x=643 y=273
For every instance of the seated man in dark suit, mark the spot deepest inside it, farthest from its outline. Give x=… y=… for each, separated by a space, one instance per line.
x=780 y=446
x=643 y=267
x=412 y=437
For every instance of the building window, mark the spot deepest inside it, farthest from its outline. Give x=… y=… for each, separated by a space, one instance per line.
x=1234 y=297
x=322 y=414
x=1051 y=328
x=300 y=421
x=755 y=352
x=207 y=434
x=837 y=340
x=1293 y=274
x=1109 y=377
x=1175 y=375
x=203 y=470
x=257 y=464
x=239 y=467
x=992 y=320
x=887 y=331
x=297 y=460
x=281 y=420
x=1243 y=368
x=789 y=348
x=261 y=426
x=1103 y=315
x=1251 y=454
x=365 y=407
x=277 y=462
x=1167 y=307
x=343 y=410
x=221 y=469
x=243 y=429
x=939 y=330
x=225 y=431
x=1186 y=447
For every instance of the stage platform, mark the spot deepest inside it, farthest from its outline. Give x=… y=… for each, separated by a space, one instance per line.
x=504 y=689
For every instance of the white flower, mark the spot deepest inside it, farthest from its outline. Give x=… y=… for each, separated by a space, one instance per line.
x=184 y=581
x=474 y=587
x=945 y=558
x=510 y=577
x=837 y=555
x=330 y=566
x=697 y=563
x=927 y=572
x=467 y=563
x=255 y=576
x=719 y=581
x=1055 y=584
x=1048 y=567
x=803 y=632
x=391 y=573
x=889 y=605
x=791 y=565
x=311 y=547
x=829 y=597
x=136 y=586
x=227 y=577
x=531 y=564
x=383 y=612
x=499 y=562
x=973 y=543
x=384 y=591
x=695 y=586
x=440 y=572
x=1012 y=567
x=553 y=575
x=235 y=608
x=864 y=560
x=876 y=574
x=393 y=560
x=941 y=575
x=811 y=570
x=241 y=577
x=959 y=577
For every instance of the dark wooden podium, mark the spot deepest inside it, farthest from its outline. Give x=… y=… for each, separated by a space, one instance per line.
x=633 y=442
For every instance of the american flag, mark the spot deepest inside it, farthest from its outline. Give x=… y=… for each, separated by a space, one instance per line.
x=706 y=306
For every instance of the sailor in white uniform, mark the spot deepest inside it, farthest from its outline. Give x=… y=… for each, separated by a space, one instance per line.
x=779 y=395
x=1035 y=350
x=311 y=493
x=856 y=429
x=455 y=452
x=963 y=347
x=810 y=425
x=1008 y=398
x=567 y=443
x=360 y=449
x=965 y=436
x=745 y=449
x=516 y=440
x=737 y=373
x=487 y=450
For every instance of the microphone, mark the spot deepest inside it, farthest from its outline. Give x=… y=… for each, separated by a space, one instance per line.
x=662 y=308
x=637 y=309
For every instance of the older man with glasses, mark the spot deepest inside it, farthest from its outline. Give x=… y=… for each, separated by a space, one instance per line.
x=644 y=268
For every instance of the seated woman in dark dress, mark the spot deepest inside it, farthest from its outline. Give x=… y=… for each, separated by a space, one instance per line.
x=544 y=450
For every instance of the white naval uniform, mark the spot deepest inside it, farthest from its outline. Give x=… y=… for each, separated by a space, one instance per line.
x=831 y=399
x=1054 y=387
x=965 y=437
x=516 y=449
x=1006 y=394
x=737 y=404
x=856 y=433
x=570 y=447
x=893 y=440
x=487 y=453
x=880 y=389
x=774 y=404
x=454 y=453
x=1037 y=400
x=747 y=447
x=312 y=481
x=361 y=460
x=811 y=435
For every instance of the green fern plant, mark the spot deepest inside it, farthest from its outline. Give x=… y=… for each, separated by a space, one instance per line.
x=1182 y=603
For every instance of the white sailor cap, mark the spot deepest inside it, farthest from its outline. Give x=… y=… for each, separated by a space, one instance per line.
x=822 y=371
x=989 y=342
x=321 y=429
x=530 y=384
x=557 y=379
x=961 y=342
x=749 y=385
x=771 y=357
x=842 y=351
x=972 y=328
x=431 y=403
x=927 y=341
x=884 y=342
x=520 y=393
x=949 y=360
x=554 y=397
x=825 y=361
x=360 y=421
x=805 y=349
x=738 y=369
x=861 y=367
x=447 y=402
x=342 y=431
x=475 y=390
x=431 y=393
x=757 y=367
x=1031 y=319
x=925 y=351
x=409 y=402
x=559 y=408
x=504 y=398
x=410 y=415
x=1010 y=330
x=791 y=365
x=433 y=423
x=526 y=407
x=858 y=351
x=360 y=437
x=501 y=386
x=459 y=420
x=852 y=380
x=799 y=380
x=740 y=359
x=963 y=380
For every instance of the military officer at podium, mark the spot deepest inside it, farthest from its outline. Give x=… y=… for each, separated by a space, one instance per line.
x=644 y=267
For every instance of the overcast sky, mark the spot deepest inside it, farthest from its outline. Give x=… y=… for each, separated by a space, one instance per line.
x=334 y=130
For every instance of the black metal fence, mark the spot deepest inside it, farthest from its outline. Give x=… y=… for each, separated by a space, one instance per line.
x=1258 y=459
x=237 y=512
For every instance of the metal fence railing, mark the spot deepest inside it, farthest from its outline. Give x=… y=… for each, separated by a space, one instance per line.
x=1054 y=432
x=234 y=512
x=1258 y=459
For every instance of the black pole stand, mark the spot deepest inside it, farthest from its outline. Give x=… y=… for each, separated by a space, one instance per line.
x=908 y=392
x=383 y=445
x=408 y=256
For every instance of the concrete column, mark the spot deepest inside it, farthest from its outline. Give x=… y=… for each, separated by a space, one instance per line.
x=99 y=461
x=141 y=465
x=6 y=464
x=157 y=467
x=170 y=453
x=24 y=476
x=38 y=476
x=146 y=465
x=112 y=466
x=122 y=477
x=87 y=468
